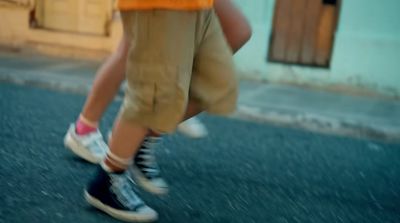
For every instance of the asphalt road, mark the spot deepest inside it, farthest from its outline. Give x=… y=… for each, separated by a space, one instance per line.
x=242 y=172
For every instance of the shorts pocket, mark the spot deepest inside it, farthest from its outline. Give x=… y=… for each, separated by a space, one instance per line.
x=141 y=95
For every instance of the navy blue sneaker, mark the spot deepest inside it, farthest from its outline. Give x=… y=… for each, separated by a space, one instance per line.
x=145 y=170
x=114 y=194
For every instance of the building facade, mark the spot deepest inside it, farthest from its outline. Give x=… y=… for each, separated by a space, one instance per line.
x=339 y=44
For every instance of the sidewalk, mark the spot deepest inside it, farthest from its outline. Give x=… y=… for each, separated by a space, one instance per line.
x=278 y=104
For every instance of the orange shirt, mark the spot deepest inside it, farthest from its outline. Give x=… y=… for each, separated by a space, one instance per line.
x=164 y=4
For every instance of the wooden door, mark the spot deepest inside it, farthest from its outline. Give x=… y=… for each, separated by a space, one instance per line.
x=303 y=31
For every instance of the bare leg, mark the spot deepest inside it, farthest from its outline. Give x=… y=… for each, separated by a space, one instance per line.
x=125 y=142
x=106 y=85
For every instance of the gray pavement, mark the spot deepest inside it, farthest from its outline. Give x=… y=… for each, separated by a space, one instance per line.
x=243 y=172
x=313 y=110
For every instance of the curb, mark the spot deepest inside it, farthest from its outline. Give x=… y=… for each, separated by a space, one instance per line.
x=317 y=123
x=311 y=122
x=45 y=81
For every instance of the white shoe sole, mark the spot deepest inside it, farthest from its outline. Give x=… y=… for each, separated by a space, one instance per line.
x=194 y=134
x=118 y=214
x=146 y=184
x=79 y=150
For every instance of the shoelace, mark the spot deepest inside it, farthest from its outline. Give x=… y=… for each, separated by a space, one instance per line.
x=146 y=158
x=123 y=188
x=94 y=141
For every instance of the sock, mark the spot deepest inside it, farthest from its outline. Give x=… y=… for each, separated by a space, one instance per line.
x=83 y=128
x=113 y=163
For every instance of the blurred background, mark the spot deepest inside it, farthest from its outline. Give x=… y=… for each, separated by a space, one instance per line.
x=318 y=116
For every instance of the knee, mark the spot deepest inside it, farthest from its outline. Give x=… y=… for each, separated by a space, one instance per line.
x=239 y=35
x=244 y=33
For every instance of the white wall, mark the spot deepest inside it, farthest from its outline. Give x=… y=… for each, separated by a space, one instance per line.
x=366 y=51
x=252 y=58
x=367 y=46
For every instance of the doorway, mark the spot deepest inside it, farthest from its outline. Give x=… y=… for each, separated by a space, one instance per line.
x=303 y=32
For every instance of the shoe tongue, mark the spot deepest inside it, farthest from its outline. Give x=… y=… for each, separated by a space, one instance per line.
x=149 y=142
x=153 y=139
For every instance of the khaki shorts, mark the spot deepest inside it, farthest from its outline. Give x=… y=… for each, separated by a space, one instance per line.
x=174 y=57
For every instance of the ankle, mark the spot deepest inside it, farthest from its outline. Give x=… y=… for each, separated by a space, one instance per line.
x=110 y=167
x=113 y=163
x=84 y=126
x=88 y=122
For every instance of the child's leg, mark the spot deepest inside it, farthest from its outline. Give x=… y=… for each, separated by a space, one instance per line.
x=124 y=144
x=83 y=138
x=112 y=190
x=106 y=84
